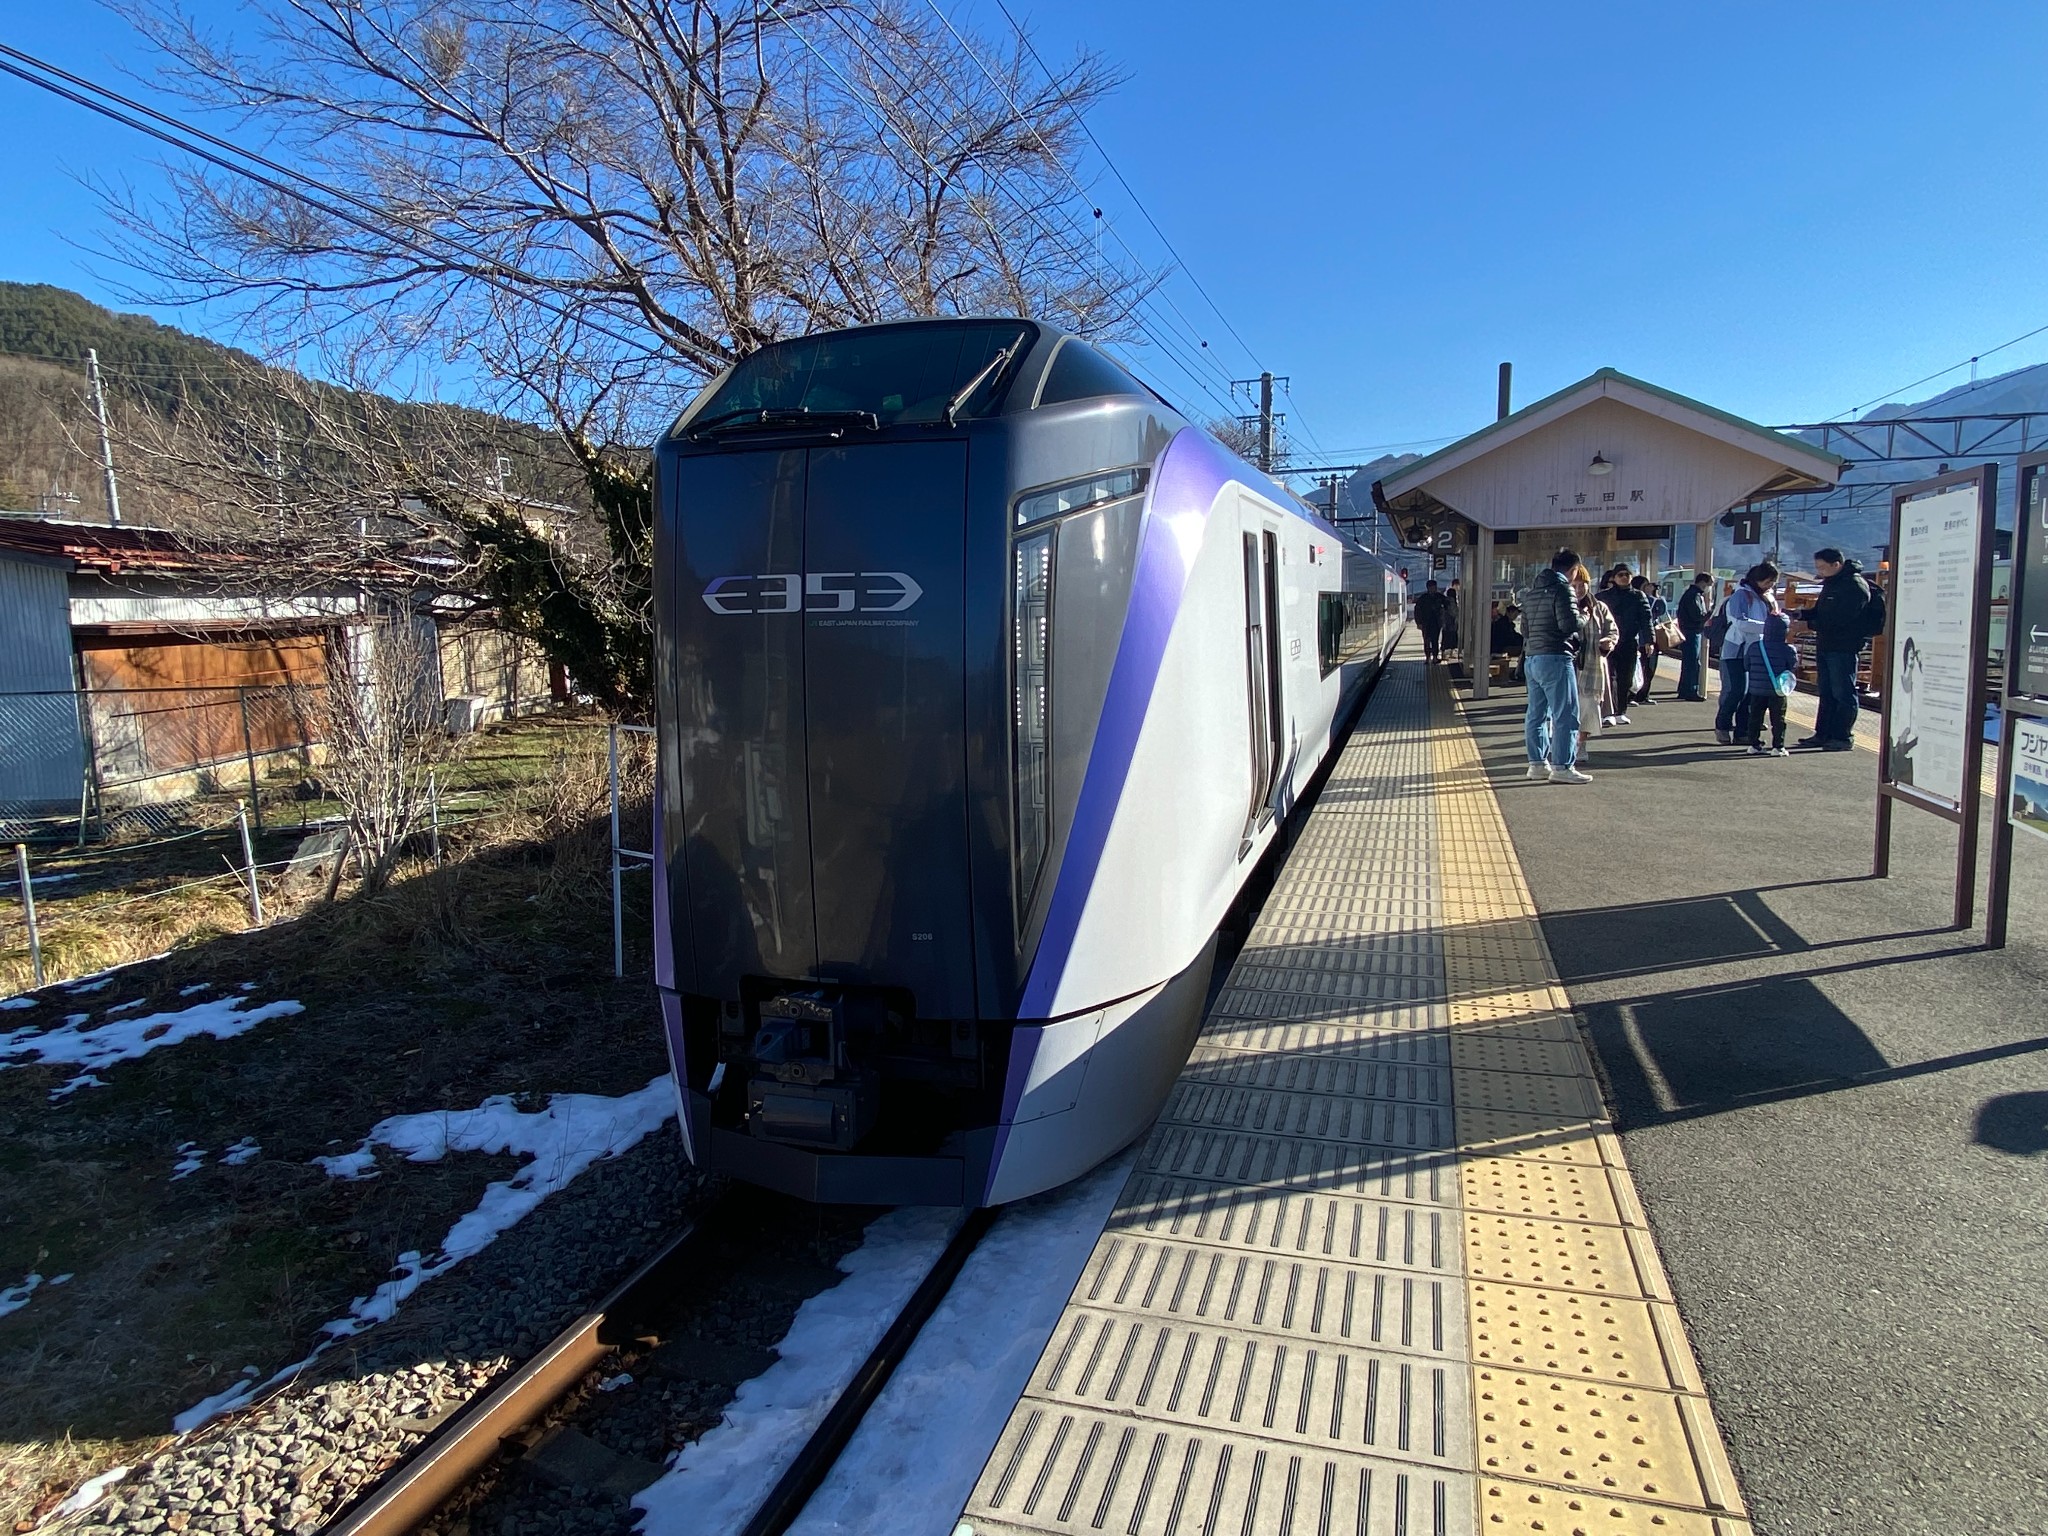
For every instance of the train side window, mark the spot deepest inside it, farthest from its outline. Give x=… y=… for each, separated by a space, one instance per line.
x=1079 y=372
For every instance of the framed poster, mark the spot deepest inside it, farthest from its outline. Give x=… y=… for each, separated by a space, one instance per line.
x=1936 y=648
x=2026 y=803
x=1933 y=705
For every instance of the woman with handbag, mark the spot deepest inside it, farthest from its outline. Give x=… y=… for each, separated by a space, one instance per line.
x=1602 y=634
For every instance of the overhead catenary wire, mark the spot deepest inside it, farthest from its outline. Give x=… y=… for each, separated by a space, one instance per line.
x=882 y=130
x=1945 y=372
x=285 y=180
x=975 y=57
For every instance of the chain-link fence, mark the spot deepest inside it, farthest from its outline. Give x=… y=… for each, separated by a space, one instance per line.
x=142 y=755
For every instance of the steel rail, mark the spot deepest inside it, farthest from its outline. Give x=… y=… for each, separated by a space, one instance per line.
x=814 y=1462
x=461 y=1448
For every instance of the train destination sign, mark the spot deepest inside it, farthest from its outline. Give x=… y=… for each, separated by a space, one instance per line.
x=1932 y=675
x=2027 y=621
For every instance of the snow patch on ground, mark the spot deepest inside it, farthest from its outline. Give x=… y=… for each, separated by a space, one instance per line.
x=126 y=1039
x=914 y=1460
x=559 y=1143
x=247 y=1150
x=191 y=1158
x=714 y=1485
x=80 y=988
x=19 y=1002
x=15 y=1297
x=89 y=1492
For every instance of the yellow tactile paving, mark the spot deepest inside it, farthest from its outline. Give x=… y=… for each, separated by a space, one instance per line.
x=1591 y=1409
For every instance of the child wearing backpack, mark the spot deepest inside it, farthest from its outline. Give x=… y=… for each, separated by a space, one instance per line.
x=1772 y=667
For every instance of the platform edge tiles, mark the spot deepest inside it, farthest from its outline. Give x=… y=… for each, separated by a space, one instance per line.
x=1592 y=1412
x=1379 y=1269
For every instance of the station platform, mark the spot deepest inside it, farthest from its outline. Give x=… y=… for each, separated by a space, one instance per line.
x=1381 y=1266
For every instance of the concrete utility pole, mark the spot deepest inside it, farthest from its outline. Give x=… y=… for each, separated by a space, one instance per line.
x=1507 y=375
x=99 y=410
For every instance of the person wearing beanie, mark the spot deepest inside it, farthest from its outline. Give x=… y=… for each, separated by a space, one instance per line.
x=1771 y=668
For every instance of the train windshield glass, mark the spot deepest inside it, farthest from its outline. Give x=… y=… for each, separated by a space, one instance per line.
x=905 y=373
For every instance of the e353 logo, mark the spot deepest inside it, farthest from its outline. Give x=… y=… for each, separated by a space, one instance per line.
x=815 y=592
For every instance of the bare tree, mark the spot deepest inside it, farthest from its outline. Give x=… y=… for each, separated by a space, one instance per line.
x=381 y=724
x=598 y=200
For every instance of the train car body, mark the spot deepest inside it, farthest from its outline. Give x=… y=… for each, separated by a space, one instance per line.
x=984 y=680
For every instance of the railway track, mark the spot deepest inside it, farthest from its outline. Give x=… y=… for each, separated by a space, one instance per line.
x=637 y=1314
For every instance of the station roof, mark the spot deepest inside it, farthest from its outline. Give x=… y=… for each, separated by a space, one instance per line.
x=1671 y=460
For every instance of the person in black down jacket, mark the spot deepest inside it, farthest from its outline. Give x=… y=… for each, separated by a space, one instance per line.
x=1429 y=618
x=1695 y=609
x=1841 y=621
x=1632 y=615
x=1552 y=632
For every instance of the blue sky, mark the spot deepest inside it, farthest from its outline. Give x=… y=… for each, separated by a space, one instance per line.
x=1785 y=210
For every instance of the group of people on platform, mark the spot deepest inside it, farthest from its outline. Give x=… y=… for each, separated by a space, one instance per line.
x=1578 y=642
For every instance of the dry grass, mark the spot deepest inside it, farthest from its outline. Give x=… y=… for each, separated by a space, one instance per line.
x=489 y=973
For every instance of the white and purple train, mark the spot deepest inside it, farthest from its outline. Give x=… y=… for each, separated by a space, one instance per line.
x=985 y=679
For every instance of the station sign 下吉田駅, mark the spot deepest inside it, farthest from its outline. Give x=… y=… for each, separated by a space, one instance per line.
x=1933 y=606
x=2027 y=622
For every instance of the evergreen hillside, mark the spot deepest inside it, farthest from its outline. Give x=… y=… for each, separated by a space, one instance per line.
x=46 y=427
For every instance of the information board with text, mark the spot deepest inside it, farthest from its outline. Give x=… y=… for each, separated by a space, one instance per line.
x=1933 y=611
x=2027 y=624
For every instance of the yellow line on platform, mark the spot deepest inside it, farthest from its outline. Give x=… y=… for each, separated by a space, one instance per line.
x=1591 y=1413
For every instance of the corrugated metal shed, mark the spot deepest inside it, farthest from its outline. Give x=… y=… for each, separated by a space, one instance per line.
x=41 y=749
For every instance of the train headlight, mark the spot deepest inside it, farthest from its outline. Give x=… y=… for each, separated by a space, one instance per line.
x=1032 y=708
x=1079 y=495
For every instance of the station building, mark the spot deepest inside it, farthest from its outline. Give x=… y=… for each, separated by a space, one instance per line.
x=1616 y=468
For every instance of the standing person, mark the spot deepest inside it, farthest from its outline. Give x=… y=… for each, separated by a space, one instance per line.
x=1772 y=670
x=1429 y=618
x=1752 y=602
x=1552 y=629
x=1452 y=599
x=1601 y=638
x=1660 y=610
x=1695 y=607
x=1842 y=620
x=1632 y=619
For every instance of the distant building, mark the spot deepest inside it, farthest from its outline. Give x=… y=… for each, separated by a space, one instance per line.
x=136 y=666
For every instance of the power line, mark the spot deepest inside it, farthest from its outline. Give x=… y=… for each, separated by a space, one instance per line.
x=1136 y=202
x=1065 y=169
x=1943 y=373
x=173 y=127
x=882 y=135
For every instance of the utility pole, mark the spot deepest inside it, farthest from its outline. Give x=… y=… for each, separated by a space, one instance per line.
x=99 y=410
x=1265 y=420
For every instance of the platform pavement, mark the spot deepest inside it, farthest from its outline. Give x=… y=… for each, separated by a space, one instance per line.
x=1835 y=1110
x=1380 y=1267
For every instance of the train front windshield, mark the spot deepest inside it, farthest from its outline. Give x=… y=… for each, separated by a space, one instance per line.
x=899 y=375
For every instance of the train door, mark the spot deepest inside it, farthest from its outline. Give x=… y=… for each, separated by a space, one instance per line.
x=884 y=541
x=1262 y=670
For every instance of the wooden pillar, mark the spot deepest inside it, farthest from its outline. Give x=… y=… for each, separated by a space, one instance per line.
x=1703 y=548
x=1478 y=628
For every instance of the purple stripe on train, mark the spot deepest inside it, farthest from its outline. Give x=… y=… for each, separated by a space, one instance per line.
x=1191 y=473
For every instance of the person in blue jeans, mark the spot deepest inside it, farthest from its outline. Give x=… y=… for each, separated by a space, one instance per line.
x=1552 y=629
x=1749 y=605
x=1843 y=619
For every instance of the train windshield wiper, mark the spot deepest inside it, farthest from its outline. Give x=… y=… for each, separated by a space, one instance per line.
x=995 y=365
x=750 y=418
